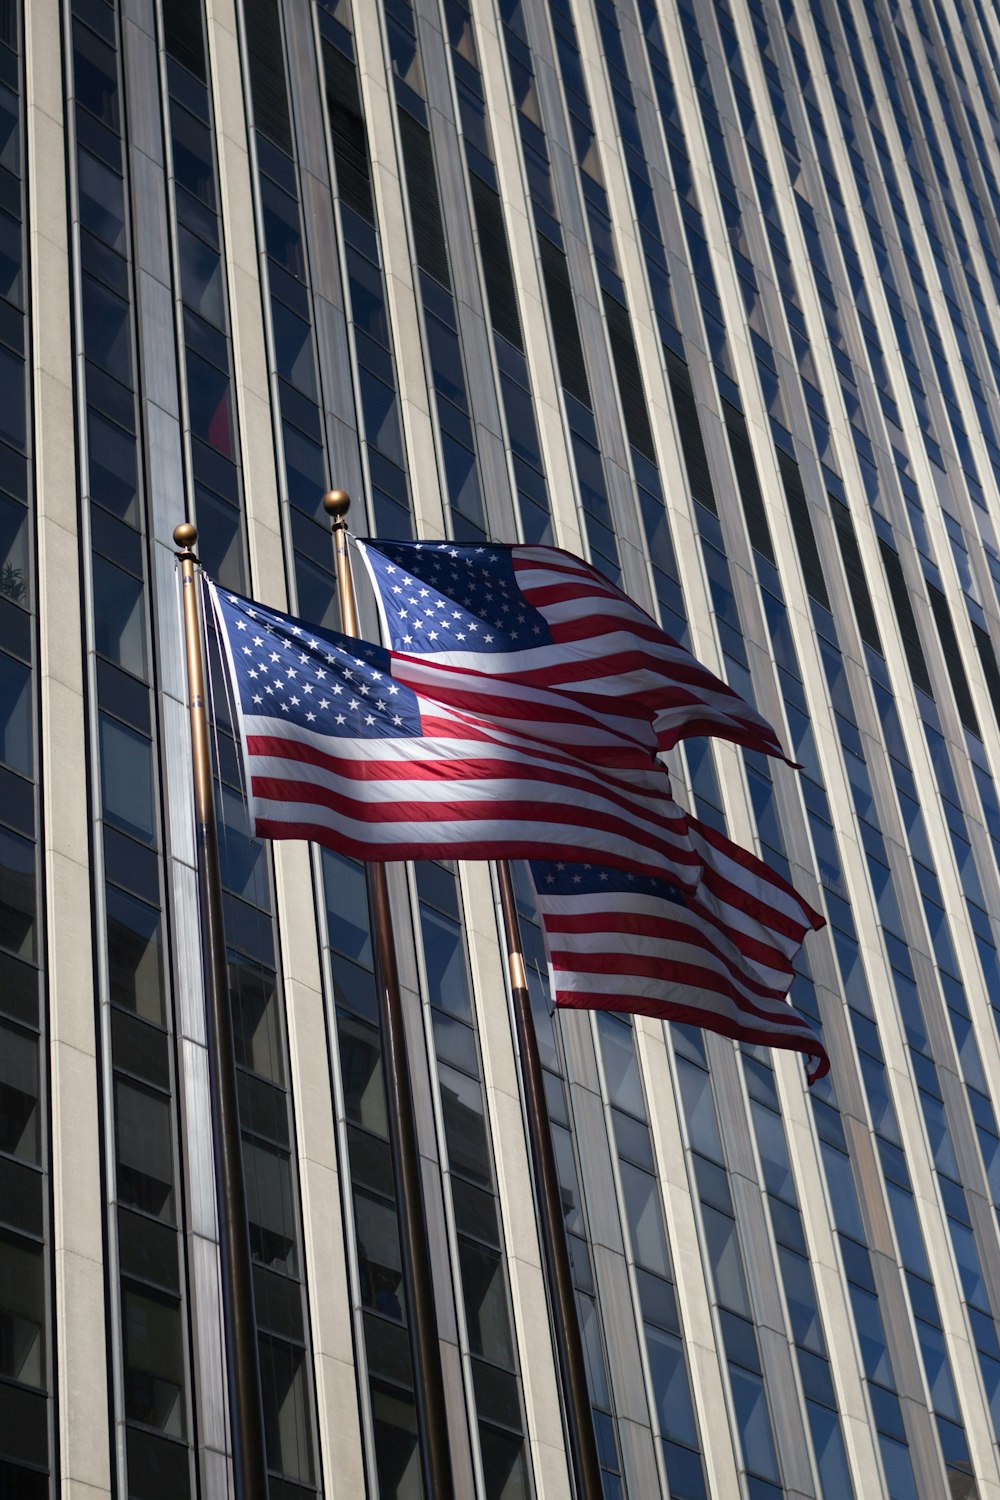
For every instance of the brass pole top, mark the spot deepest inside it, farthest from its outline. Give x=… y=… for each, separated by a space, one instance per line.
x=185 y=535
x=337 y=503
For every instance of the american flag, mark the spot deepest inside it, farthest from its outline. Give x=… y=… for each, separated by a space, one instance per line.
x=544 y=619
x=337 y=750
x=718 y=957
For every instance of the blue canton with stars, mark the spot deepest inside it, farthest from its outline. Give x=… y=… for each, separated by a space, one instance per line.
x=559 y=879
x=439 y=597
x=314 y=679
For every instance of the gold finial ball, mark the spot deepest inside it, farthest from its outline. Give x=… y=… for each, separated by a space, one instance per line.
x=336 y=503
x=186 y=534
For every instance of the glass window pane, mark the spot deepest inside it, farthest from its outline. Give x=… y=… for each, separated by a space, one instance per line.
x=504 y=1465
x=145 y=1156
x=154 y=1361
x=270 y=1209
x=192 y=153
x=12 y=407
x=18 y=1093
x=590 y=1328
x=293 y=348
x=620 y=1067
x=201 y=277
x=219 y=542
x=95 y=77
x=15 y=579
x=645 y=1218
x=256 y=1027
x=444 y=957
x=112 y=467
x=347 y=906
x=670 y=1387
x=801 y=1296
x=724 y=1254
x=396 y=1448
x=126 y=779
x=754 y=1423
x=119 y=617
x=16 y=738
x=22 y=1312
x=135 y=960
x=106 y=328
x=208 y=404
x=286 y=1410
x=465 y=1130
x=379 y=1262
x=699 y=1109
x=485 y=1295
x=17 y=894
x=102 y=206
x=361 y=1070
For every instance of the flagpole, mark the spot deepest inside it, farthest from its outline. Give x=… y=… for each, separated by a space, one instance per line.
x=425 y=1346
x=559 y=1276
x=239 y=1324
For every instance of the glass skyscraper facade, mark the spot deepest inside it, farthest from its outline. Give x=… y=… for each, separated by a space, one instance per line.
x=709 y=292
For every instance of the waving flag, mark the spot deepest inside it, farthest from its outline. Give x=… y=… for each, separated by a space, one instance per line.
x=338 y=750
x=542 y=618
x=719 y=957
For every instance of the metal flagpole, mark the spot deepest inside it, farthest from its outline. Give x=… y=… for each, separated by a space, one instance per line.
x=559 y=1276
x=242 y=1369
x=425 y=1347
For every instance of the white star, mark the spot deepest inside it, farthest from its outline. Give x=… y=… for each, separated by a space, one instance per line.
x=487 y=639
x=284 y=708
x=258 y=640
x=307 y=688
x=257 y=698
x=337 y=689
x=310 y=717
x=312 y=645
x=396 y=719
x=369 y=718
x=241 y=624
x=324 y=703
x=341 y=719
x=380 y=703
x=275 y=656
x=292 y=672
x=394 y=688
x=295 y=702
x=296 y=630
x=353 y=703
